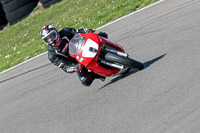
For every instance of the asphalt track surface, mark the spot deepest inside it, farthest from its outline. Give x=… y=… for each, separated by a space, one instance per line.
x=38 y=97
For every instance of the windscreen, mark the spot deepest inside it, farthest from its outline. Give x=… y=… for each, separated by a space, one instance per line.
x=76 y=44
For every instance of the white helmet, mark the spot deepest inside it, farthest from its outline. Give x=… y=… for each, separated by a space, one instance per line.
x=50 y=35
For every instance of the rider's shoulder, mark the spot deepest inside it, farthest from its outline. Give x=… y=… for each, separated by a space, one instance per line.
x=65 y=31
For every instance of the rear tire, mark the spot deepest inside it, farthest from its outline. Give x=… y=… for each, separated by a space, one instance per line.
x=128 y=62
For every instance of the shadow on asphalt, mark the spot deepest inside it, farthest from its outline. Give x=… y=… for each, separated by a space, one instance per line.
x=132 y=71
x=24 y=73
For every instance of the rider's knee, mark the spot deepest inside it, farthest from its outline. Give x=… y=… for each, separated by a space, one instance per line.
x=86 y=81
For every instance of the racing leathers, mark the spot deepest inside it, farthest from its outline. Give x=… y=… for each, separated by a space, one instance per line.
x=59 y=56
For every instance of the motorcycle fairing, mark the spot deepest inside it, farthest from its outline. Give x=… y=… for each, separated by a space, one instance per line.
x=88 y=52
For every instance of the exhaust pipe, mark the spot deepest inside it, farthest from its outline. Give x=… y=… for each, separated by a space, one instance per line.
x=112 y=64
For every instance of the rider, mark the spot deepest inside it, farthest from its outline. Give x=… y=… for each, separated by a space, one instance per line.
x=58 y=54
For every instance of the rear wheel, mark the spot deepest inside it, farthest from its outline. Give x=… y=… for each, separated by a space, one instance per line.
x=128 y=62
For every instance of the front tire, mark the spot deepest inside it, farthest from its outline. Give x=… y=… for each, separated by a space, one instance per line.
x=128 y=62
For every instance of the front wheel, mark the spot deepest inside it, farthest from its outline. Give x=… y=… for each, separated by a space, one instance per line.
x=128 y=62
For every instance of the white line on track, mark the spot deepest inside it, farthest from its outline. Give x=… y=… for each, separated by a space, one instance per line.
x=96 y=29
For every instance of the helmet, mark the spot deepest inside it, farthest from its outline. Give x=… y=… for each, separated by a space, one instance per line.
x=50 y=35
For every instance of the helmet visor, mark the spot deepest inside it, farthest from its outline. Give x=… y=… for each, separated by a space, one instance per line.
x=50 y=37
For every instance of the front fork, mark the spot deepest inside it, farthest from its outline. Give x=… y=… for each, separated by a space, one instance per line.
x=113 y=64
x=117 y=52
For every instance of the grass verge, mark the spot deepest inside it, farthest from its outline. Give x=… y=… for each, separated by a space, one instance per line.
x=22 y=41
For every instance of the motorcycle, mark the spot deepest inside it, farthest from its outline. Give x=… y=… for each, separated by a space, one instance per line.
x=100 y=55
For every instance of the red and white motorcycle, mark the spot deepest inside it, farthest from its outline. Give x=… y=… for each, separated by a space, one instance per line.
x=101 y=55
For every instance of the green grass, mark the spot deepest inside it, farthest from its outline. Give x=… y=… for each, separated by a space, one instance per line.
x=22 y=41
